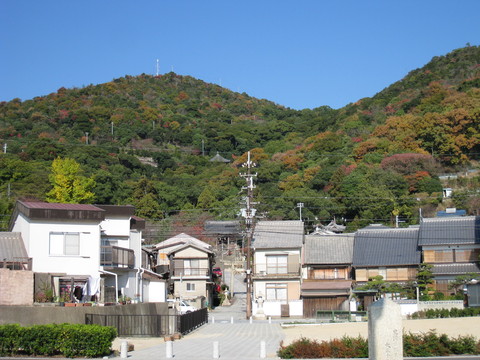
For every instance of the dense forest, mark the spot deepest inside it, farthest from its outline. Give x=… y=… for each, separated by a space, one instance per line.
x=148 y=141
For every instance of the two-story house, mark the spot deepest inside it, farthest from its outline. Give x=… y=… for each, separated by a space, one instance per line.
x=89 y=251
x=276 y=271
x=326 y=272
x=392 y=253
x=452 y=246
x=187 y=263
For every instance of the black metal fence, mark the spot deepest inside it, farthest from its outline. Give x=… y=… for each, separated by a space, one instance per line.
x=150 y=325
x=191 y=321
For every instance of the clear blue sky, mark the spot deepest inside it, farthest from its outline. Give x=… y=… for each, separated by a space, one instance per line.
x=300 y=54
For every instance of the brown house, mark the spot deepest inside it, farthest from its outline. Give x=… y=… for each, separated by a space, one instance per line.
x=326 y=272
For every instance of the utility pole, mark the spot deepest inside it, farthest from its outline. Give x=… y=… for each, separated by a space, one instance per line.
x=300 y=206
x=5 y=148
x=249 y=215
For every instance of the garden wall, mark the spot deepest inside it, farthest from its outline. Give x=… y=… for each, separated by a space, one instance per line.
x=32 y=315
x=16 y=287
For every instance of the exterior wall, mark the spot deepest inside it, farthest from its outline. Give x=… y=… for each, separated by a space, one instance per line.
x=37 y=242
x=293 y=288
x=312 y=304
x=32 y=315
x=389 y=274
x=191 y=252
x=116 y=227
x=154 y=291
x=450 y=253
x=181 y=289
x=260 y=259
x=331 y=273
x=16 y=287
x=274 y=308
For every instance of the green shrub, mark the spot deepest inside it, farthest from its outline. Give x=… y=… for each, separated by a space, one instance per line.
x=86 y=340
x=9 y=339
x=445 y=313
x=69 y=340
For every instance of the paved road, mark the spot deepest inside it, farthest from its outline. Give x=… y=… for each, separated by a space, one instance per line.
x=238 y=340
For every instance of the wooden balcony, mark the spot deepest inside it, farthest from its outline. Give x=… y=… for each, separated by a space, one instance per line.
x=117 y=258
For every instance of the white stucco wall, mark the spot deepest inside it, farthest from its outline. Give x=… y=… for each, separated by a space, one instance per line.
x=273 y=308
x=36 y=236
x=116 y=226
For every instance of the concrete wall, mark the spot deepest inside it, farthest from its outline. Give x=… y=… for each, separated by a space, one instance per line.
x=32 y=315
x=16 y=287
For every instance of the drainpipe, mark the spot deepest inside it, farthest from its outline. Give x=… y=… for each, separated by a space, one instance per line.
x=139 y=285
x=116 y=283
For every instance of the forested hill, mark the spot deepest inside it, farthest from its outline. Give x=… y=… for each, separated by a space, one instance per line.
x=147 y=140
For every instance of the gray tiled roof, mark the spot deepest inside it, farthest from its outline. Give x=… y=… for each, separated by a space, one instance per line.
x=11 y=246
x=386 y=247
x=329 y=249
x=278 y=234
x=222 y=227
x=450 y=230
x=455 y=269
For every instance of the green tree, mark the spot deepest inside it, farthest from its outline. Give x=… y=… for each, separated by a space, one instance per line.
x=424 y=280
x=69 y=186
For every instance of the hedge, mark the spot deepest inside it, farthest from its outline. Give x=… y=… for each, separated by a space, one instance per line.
x=414 y=345
x=68 y=340
x=445 y=313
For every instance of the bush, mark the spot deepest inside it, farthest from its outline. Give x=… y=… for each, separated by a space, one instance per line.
x=50 y=340
x=346 y=347
x=445 y=313
x=418 y=345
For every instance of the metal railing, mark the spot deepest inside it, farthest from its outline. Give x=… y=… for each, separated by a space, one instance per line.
x=193 y=320
x=150 y=325
x=191 y=272
x=279 y=270
x=340 y=316
x=17 y=263
x=117 y=257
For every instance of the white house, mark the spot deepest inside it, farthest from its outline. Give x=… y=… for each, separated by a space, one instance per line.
x=277 y=271
x=94 y=249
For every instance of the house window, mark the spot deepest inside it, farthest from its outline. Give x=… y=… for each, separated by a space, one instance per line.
x=277 y=264
x=276 y=291
x=64 y=244
x=191 y=267
x=190 y=286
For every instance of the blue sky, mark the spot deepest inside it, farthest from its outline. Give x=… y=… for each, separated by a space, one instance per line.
x=300 y=54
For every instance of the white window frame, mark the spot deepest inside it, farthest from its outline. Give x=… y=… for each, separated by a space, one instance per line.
x=277 y=264
x=64 y=244
x=276 y=291
x=190 y=286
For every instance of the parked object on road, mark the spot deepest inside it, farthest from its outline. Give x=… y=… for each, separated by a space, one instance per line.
x=181 y=306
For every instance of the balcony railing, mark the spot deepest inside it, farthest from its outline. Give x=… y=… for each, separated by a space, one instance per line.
x=191 y=272
x=17 y=263
x=117 y=257
x=278 y=270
